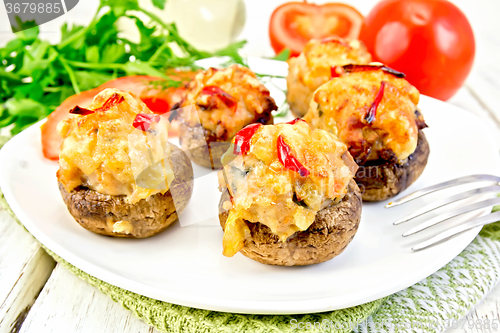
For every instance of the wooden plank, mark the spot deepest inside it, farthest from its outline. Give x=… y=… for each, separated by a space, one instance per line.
x=484 y=82
x=68 y=304
x=465 y=99
x=24 y=269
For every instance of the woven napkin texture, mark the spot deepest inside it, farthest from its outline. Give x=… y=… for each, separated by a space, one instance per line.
x=431 y=305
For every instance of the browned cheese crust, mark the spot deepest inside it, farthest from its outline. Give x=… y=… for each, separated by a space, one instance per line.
x=380 y=180
x=313 y=67
x=98 y=212
x=328 y=236
x=209 y=121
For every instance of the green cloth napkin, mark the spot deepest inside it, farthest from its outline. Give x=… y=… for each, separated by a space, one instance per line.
x=432 y=305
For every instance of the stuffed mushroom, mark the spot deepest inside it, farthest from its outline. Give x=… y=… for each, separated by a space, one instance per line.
x=373 y=109
x=288 y=195
x=216 y=105
x=320 y=61
x=118 y=175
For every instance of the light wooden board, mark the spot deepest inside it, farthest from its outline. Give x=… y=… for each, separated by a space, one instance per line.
x=24 y=269
x=68 y=304
x=466 y=99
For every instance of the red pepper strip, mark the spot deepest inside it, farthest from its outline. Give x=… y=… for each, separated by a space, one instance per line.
x=334 y=71
x=114 y=100
x=372 y=112
x=229 y=100
x=242 y=138
x=361 y=68
x=81 y=111
x=288 y=160
x=143 y=120
x=335 y=40
x=296 y=120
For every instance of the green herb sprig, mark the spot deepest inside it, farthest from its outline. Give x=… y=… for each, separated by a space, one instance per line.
x=36 y=76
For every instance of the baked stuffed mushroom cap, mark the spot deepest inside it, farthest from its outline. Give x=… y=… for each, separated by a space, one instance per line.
x=216 y=105
x=318 y=63
x=118 y=174
x=288 y=195
x=373 y=109
x=328 y=236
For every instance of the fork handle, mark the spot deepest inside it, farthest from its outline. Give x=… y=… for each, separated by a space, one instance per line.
x=480 y=221
x=443 y=185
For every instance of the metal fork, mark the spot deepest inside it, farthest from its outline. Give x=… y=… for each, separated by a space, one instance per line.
x=494 y=186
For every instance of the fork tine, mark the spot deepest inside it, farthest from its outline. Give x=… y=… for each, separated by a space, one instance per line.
x=453 y=213
x=443 y=185
x=480 y=221
x=446 y=201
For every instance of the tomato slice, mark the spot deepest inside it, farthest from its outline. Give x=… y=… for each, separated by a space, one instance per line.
x=158 y=101
x=51 y=141
x=295 y=23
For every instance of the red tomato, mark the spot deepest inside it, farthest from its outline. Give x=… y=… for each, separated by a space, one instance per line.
x=158 y=101
x=295 y=23
x=431 y=41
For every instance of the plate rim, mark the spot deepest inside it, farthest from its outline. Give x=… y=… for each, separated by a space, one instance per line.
x=315 y=305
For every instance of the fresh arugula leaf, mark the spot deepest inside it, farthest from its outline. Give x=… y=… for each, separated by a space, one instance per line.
x=22 y=123
x=119 y=7
x=31 y=90
x=9 y=75
x=36 y=76
x=3 y=114
x=25 y=107
x=7 y=120
x=159 y=3
x=28 y=34
x=20 y=25
x=87 y=80
x=283 y=55
x=113 y=53
x=136 y=68
x=92 y=54
x=67 y=32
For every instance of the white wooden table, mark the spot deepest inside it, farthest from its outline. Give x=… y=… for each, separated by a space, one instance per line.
x=39 y=296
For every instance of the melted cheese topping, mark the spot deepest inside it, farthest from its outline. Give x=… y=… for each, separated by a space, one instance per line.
x=254 y=101
x=313 y=66
x=263 y=190
x=340 y=106
x=96 y=150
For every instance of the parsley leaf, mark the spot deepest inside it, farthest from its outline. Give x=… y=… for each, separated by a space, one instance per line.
x=283 y=55
x=36 y=76
x=159 y=3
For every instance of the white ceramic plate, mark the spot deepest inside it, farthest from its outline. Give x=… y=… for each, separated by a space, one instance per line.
x=184 y=265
